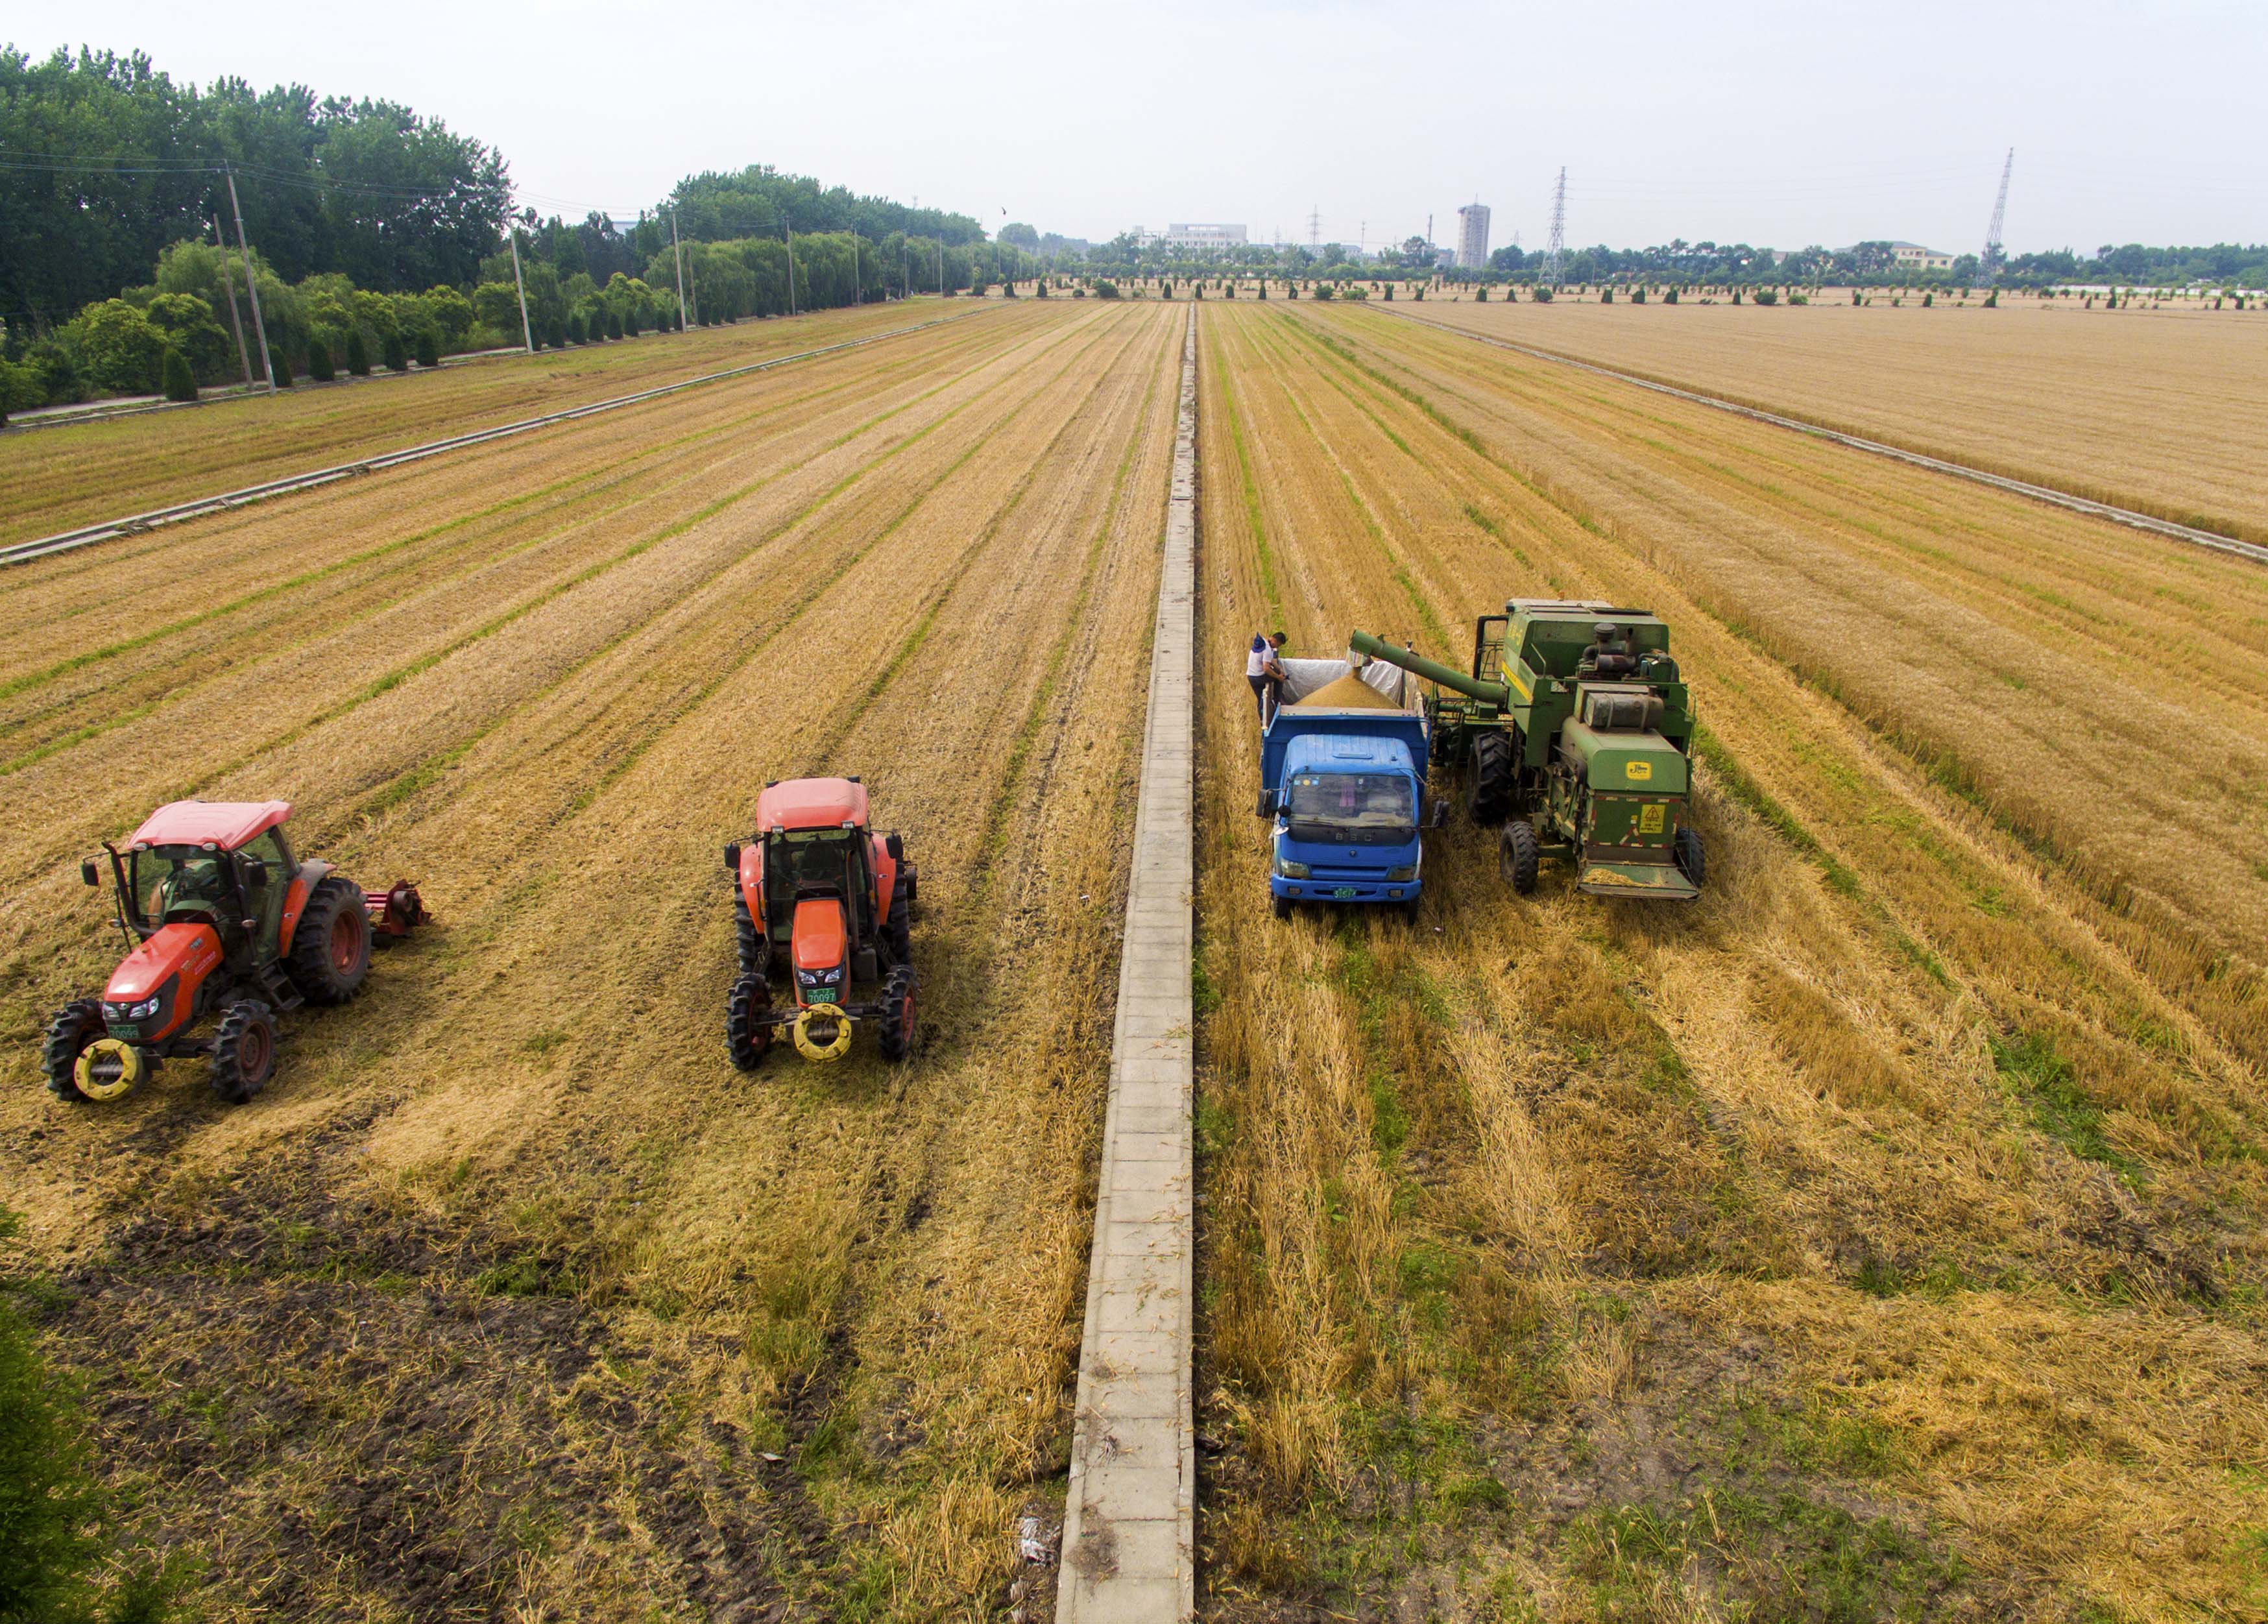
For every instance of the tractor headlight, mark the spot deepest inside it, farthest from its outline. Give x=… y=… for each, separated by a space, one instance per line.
x=1396 y=876
x=830 y=977
x=1291 y=870
x=141 y=1011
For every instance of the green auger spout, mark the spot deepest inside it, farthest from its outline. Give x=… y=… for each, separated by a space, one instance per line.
x=1418 y=665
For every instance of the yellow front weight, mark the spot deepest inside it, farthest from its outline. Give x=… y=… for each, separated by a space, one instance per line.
x=811 y=1050
x=107 y=1068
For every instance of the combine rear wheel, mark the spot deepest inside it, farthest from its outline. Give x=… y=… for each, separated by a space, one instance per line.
x=1692 y=862
x=243 y=1049
x=1492 y=777
x=75 y=1026
x=747 y=1033
x=897 y=1023
x=1517 y=855
x=330 y=945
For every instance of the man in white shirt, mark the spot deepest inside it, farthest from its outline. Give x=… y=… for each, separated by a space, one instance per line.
x=1263 y=671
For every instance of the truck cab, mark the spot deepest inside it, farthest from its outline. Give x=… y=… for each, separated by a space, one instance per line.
x=1343 y=775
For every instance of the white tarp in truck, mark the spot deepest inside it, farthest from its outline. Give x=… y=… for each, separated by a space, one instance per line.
x=1302 y=678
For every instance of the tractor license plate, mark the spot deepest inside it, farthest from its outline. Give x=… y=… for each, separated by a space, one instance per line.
x=822 y=995
x=1345 y=893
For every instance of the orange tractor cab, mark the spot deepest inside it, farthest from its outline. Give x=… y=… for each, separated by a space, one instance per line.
x=825 y=908
x=224 y=921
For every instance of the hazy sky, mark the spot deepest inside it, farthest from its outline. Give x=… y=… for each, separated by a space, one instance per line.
x=1775 y=122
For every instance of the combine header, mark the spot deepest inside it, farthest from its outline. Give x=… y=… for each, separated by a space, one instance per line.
x=1572 y=730
x=226 y=922
x=825 y=908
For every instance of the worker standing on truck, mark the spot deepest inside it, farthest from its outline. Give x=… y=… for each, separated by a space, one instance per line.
x=1262 y=670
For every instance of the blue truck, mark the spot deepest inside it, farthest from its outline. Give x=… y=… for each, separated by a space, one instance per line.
x=1343 y=761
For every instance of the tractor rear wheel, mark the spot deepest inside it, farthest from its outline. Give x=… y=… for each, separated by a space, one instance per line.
x=75 y=1025
x=243 y=1049
x=1492 y=777
x=899 y=929
x=897 y=1033
x=748 y=1034
x=1517 y=854
x=330 y=946
x=1685 y=847
x=755 y=951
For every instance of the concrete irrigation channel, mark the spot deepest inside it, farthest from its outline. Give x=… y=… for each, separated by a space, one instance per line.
x=136 y=524
x=1874 y=447
x=1128 y=1539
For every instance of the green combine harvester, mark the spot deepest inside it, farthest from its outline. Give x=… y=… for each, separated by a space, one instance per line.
x=1572 y=733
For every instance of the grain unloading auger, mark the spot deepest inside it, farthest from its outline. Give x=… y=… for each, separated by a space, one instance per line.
x=227 y=922
x=1572 y=731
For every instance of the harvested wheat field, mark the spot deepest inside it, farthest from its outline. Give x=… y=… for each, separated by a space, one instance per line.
x=1879 y=1236
x=510 y=1298
x=2161 y=410
x=58 y=479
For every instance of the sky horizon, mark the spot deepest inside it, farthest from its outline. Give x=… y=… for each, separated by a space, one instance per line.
x=1782 y=125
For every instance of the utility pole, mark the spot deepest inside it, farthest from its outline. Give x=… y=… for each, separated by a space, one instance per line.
x=526 y=333
x=858 y=287
x=235 y=320
x=1988 y=263
x=680 y=254
x=251 y=286
x=790 y=230
x=1555 y=251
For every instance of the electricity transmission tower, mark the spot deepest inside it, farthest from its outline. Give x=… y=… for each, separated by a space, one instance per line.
x=1555 y=251
x=1315 y=227
x=1988 y=263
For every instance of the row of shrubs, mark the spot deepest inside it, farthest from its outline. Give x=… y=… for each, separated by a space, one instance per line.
x=173 y=335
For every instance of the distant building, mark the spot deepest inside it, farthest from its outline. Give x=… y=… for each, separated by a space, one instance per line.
x=1473 y=236
x=1913 y=257
x=1204 y=236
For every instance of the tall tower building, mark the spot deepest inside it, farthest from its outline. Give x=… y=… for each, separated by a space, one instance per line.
x=1472 y=236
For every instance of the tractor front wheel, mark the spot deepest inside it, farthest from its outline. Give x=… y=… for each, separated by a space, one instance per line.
x=1692 y=862
x=1518 y=855
x=243 y=1049
x=1492 y=777
x=330 y=945
x=748 y=1034
x=75 y=1026
x=897 y=1034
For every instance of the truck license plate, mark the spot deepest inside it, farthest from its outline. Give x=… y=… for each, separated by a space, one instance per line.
x=1345 y=893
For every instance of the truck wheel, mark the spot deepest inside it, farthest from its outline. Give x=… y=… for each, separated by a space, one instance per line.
x=244 y=1048
x=745 y=1034
x=1516 y=854
x=1492 y=777
x=1410 y=911
x=330 y=946
x=75 y=1025
x=755 y=951
x=1283 y=908
x=898 y=1012
x=1686 y=848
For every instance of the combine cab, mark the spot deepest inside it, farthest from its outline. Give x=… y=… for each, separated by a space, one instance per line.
x=227 y=923
x=825 y=912
x=1573 y=729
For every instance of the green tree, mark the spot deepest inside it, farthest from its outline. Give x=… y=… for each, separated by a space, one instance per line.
x=357 y=353
x=318 y=362
x=177 y=378
x=428 y=348
x=120 y=348
x=396 y=352
x=281 y=362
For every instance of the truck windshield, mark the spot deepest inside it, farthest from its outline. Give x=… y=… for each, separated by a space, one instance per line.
x=1358 y=809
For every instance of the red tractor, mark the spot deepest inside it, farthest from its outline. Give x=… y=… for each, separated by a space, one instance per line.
x=825 y=908
x=227 y=922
